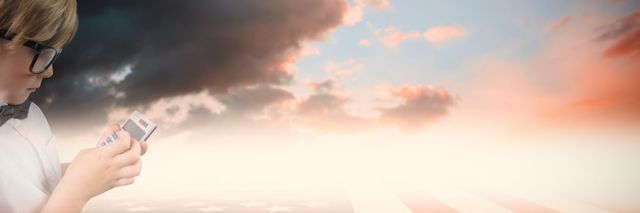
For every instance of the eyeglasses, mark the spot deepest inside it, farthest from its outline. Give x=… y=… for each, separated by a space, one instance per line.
x=44 y=57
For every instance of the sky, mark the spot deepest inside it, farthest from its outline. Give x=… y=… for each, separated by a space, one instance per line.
x=360 y=105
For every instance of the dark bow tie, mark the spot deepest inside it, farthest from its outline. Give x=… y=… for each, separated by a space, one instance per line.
x=14 y=111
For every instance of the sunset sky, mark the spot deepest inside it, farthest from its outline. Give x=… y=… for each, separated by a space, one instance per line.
x=360 y=105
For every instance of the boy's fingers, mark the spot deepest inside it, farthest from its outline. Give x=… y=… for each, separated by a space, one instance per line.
x=129 y=157
x=115 y=127
x=110 y=130
x=107 y=133
x=126 y=159
x=124 y=182
x=135 y=148
x=131 y=171
x=143 y=147
x=121 y=145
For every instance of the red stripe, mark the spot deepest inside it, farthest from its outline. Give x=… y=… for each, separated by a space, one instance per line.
x=421 y=202
x=513 y=203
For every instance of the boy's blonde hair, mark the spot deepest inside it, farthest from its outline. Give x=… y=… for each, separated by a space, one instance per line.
x=49 y=22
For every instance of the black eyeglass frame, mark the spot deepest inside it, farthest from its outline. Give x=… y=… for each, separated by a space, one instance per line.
x=39 y=48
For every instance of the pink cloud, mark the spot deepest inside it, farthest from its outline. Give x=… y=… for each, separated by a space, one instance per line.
x=560 y=23
x=341 y=70
x=288 y=64
x=376 y=4
x=440 y=34
x=610 y=81
x=364 y=43
x=575 y=80
x=392 y=37
x=626 y=35
x=355 y=12
x=627 y=45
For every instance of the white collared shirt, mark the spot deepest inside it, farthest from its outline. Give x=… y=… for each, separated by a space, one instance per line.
x=29 y=164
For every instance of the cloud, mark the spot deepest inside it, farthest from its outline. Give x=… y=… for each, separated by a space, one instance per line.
x=608 y=89
x=420 y=105
x=255 y=98
x=377 y=4
x=560 y=23
x=337 y=72
x=355 y=12
x=343 y=69
x=627 y=45
x=607 y=80
x=324 y=110
x=322 y=105
x=324 y=86
x=441 y=34
x=571 y=82
x=173 y=110
x=392 y=37
x=121 y=74
x=625 y=34
x=327 y=109
x=203 y=60
x=364 y=42
x=288 y=65
x=415 y=107
x=130 y=54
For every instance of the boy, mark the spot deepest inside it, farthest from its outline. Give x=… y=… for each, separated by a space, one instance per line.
x=32 y=33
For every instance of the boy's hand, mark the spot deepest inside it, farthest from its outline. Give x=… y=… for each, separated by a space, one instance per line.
x=116 y=128
x=96 y=170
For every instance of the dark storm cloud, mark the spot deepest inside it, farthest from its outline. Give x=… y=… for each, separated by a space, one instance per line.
x=180 y=47
x=254 y=98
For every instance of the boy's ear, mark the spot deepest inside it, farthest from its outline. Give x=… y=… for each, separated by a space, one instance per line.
x=5 y=48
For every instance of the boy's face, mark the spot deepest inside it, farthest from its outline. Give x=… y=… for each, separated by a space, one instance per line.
x=16 y=81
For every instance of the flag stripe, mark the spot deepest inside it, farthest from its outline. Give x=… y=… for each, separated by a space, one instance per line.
x=560 y=204
x=466 y=202
x=419 y=201
x=514 y=203
x=371 y=197
x=424 y=203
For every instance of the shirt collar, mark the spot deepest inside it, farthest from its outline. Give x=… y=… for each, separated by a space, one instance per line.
x=2 y=103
